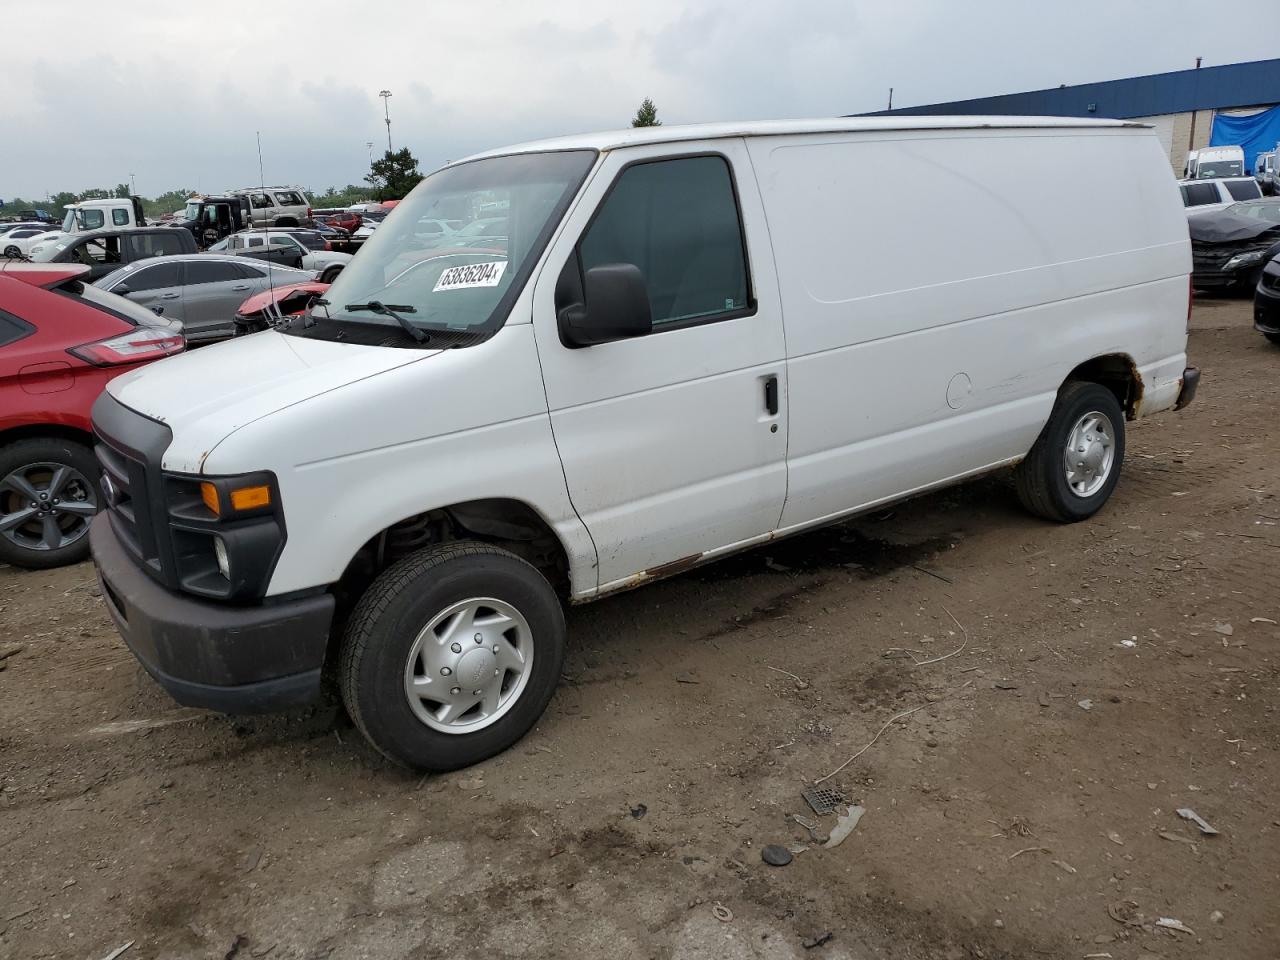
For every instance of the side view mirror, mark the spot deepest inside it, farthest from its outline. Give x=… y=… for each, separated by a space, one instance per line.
x=158 y=310
x=614 y=305
x=122 y=289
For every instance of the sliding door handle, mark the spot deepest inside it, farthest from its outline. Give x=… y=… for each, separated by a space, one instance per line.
x=771 y=395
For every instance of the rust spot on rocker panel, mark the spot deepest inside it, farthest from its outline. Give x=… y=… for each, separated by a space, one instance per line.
x=674 y=567
x=659 y=572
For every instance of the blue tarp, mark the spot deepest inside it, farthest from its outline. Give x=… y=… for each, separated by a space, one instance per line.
x=1257 y=134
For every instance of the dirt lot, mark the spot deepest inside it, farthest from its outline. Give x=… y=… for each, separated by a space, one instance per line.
x=1114 y=671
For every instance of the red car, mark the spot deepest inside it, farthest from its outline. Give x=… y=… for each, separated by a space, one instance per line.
x=61 y=340
x=267 y=309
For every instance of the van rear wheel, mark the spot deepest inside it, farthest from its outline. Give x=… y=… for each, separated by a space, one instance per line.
x=452 y=655
x=1075 y=463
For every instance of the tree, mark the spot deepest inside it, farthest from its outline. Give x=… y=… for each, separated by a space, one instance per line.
x=166 y=203
x=394 y=175
x=122 y=191
x=344 y=197
x=58 y=203
x=647 y=115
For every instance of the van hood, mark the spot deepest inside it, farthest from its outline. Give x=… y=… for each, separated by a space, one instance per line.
x=206 y=395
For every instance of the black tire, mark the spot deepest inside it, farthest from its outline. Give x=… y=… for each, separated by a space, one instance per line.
x=395 y=609
x=1273 y=337
x=330 y=274
x=1041 y=479
x=285 y=222
x=31 y=456
x=12 y=251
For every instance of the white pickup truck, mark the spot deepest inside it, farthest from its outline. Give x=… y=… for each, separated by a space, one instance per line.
x=113 y=213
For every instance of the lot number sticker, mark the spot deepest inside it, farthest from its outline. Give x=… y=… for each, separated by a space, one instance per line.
x=472 y=275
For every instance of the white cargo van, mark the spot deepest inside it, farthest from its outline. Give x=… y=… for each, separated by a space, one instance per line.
x=1215 y=162
x=685 y=341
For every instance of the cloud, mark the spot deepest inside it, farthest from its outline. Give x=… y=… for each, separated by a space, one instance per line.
x=177 y=92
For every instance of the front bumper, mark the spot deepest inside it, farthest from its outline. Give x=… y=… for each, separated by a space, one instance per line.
x=232 y=659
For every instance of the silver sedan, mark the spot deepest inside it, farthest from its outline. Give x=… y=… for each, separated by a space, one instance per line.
x=202 y=290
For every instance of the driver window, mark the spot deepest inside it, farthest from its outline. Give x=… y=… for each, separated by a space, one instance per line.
x=677 y=220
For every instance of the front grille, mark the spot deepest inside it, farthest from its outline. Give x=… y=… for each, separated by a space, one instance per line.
x=129 y=448
x=124 y=489
x=1208 y=259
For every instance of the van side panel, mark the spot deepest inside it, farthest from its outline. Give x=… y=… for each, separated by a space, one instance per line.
x=938 y=288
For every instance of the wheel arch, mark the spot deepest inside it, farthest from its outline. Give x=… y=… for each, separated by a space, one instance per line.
x=506 y=522
x=41 y=431
x=1118 y=372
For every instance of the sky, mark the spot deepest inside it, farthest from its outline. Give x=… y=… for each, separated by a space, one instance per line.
x=175 y=91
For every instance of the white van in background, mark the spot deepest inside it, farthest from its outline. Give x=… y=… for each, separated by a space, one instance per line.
x=1214 y=162
x=1265 y=173
x=688 y=341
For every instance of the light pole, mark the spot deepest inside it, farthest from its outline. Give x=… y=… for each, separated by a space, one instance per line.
x=386 y=109
x=369 y=144
x=133 y=186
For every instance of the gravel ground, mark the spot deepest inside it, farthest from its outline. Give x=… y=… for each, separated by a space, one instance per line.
x=1103 y=676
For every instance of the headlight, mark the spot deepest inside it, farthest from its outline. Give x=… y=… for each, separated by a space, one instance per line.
x=227 y=533
x=220 y=554
x=1243 y=260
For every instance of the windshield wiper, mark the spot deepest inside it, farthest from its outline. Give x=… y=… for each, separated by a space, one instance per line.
x=380 y=308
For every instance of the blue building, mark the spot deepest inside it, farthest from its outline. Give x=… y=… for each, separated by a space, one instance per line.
x=1233 y=103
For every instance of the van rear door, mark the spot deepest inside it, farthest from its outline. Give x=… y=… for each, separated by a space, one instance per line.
x=674 y=443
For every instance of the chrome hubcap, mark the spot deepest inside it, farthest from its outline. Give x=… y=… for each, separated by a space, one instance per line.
x=1090 y=453
x=45 y=506
x=469 y=665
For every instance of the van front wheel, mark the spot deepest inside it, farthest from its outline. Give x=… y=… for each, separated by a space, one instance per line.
x=452 y=655
x=1075 y=463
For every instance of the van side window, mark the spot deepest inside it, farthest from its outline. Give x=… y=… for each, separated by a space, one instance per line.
x=120 y=218
x=677 y=220
x=1198 y=194
x=1243 y=189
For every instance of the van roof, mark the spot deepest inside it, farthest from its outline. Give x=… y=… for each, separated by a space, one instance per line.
x=614 y=139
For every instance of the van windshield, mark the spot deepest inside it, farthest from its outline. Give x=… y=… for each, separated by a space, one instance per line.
x=1219 y=168
x=462 y=282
